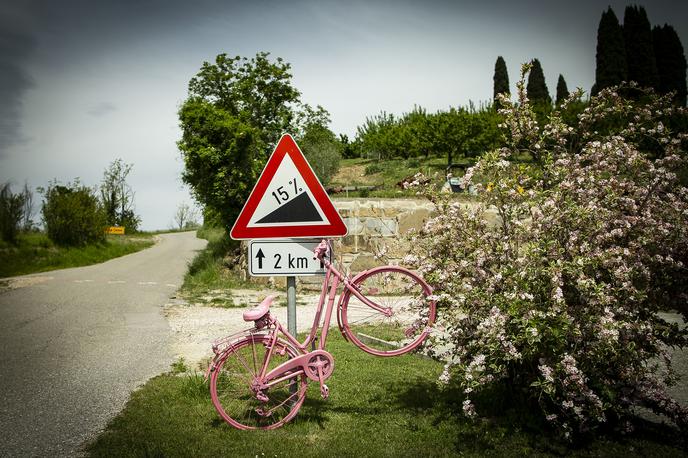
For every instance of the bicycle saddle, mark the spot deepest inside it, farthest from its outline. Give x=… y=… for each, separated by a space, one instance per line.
x=259 y=310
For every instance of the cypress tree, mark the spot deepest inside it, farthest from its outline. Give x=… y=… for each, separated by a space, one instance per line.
x=671 y=62
x=500 y=79
x=640 y=54
x=562 y=90
x=537 y=89
x=611 y=54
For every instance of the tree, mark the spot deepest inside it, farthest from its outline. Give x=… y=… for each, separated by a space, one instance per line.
x=459 y=132
x=562 y=90
x=233 y=116
x=611 y=67
x=465 y=132
x=72 y=214
x=322 y=150
x=117 y=196
x=671 y=62
x=349 y=150
x=185 y=216
x=27 y=222
x=538 y=93
x=11 y=213
x=378 y=136
x=500 y=79
x=640 y=55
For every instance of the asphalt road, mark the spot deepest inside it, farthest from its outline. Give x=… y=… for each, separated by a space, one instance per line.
x=74 y=343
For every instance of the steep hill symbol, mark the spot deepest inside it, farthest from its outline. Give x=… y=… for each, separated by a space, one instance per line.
x=298 y=210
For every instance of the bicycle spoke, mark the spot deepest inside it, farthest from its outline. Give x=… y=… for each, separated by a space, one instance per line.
x=365 y=318
x=241 y=359
x=283 y=403
x=236 y=371
x=255 y=362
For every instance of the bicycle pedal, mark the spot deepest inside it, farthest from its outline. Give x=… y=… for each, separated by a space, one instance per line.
x=324 y=391
x=263 y=413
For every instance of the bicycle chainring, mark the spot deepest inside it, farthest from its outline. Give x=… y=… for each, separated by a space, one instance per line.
x=322 y=360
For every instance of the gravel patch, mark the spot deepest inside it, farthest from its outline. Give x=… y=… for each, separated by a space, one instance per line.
x=7 y=284
x=195 y=327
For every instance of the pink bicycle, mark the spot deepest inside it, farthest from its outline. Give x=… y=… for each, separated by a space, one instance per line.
x=258 y=379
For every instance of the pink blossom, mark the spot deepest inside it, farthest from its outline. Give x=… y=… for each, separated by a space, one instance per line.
x=468 y=408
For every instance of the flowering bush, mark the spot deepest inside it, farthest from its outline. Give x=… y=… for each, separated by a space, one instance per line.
x=552 y=284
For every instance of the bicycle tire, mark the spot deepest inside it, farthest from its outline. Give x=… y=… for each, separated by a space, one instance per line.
x=230 y=385
x=405 y=294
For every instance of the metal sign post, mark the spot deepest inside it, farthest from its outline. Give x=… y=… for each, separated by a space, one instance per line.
x=291 y=305
x=291 y=316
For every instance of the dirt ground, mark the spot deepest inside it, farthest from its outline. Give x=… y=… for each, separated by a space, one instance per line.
x=354 y=174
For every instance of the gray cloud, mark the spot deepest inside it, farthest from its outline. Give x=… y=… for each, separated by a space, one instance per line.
x=101 y=109
x=14 y=82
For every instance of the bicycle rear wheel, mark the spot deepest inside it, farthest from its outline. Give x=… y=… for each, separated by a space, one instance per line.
x=231 y=385
x=408 y=311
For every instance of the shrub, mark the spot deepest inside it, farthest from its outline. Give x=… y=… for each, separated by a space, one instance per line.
x=73 y=215
x=11 y=213
x=117 y=197
x=130 y=220
x=552 y=285
x=373 y=168
x=323 y=151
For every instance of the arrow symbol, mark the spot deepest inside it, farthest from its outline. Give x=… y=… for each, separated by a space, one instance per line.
x=259 y=257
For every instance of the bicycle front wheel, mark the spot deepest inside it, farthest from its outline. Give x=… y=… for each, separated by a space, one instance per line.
x=232 y=385
x=400 y=316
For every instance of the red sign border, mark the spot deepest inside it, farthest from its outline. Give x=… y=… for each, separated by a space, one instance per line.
x=336 y=226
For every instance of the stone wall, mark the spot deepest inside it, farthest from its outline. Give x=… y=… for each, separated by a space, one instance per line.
x=377 y=225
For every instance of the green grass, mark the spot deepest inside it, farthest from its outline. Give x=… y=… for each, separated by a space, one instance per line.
x=208 y=274
x=378 y=407
x=36 y=253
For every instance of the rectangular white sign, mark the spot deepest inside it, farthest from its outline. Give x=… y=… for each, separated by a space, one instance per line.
x=283 y=257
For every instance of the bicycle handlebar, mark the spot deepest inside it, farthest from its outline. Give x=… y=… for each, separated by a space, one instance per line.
x=322 y=250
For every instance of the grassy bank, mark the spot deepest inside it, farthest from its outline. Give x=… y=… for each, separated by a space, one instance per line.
x=36 y=253
x=381 y=407
x=384 y=175
x=209 y=278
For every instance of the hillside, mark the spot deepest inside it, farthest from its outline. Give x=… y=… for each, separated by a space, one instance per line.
x=379 y=178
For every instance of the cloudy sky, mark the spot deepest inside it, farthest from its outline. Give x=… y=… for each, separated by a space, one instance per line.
x=85 y=82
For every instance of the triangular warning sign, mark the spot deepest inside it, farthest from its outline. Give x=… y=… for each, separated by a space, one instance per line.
x=288 y=201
